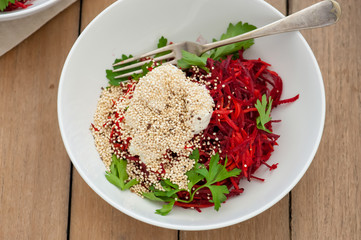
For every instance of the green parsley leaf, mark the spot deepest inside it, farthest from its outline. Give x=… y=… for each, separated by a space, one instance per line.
x=166 y=208
x=213 y=168
x=5 y=3
x=167 y=182
x=195 y=155
x=151 y=196
x=189 y=59
x=162 y=194
x=264 y=111
x=215 y=173
x=114 y=180
x=111 y=75
x=218 y=195
x=145 y=68
x=157 y=195
x=113 y=169
x=232 y=31
x=192 y=174
x=172 y=193
x=224 y=174
x=170 y=188
x=130 y=184
x=194 y=177
x=162 y=43
x=118 y=175
x=203 y=172
x=168 y=196
x=121 y=166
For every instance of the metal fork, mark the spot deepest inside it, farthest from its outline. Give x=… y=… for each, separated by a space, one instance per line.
x=318 y=15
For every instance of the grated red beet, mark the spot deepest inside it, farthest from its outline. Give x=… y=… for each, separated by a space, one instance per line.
x=235 y=85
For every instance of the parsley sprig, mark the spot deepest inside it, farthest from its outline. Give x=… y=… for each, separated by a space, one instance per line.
x=111 y=75
x=118 y=174
x=264 y=110
x=190 y=59
x=216 y=172
x=232 y=31
x=162 y=43
x=145 y=68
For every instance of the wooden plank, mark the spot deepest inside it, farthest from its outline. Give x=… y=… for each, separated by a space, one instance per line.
x=280 y=5
x=91 y=9
x=91 y=216
x=272 y=224
x=326 y=203
x=34 y=167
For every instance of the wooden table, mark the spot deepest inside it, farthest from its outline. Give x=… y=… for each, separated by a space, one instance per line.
x=42 y=197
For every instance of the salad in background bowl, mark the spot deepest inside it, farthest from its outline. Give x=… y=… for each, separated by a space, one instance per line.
x=83 y=77
x=14 y=9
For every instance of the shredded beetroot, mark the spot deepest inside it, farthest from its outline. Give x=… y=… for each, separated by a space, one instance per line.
x=235 y=85
x=17 y=4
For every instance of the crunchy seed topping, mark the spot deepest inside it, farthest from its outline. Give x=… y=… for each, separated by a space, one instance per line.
x=101 y=137
x=165 y=112
x=158 y=120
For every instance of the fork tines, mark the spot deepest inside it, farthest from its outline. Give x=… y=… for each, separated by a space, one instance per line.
x=168 y=57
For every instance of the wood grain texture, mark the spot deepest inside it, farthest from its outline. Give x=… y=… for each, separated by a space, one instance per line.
x=91 y=216
x=326 y=202
x=272 y=224
x=280 y=5
x=34 y=167
x=91 y=8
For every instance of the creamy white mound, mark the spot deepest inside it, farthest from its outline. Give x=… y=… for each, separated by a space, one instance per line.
x=165 y=112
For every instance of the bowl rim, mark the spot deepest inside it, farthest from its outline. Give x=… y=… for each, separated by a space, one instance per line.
x=20 y=13
x=210 y=226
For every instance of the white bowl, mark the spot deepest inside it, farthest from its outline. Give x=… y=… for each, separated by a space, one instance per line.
x=37 y=6
x=133 y=27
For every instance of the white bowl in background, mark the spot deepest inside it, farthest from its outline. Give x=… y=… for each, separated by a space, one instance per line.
x=37 y=6
x=133 y=27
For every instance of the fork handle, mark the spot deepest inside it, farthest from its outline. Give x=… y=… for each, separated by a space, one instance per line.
x=318 y=15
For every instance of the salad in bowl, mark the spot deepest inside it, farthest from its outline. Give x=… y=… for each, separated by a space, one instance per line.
x=188 y=134
x=206 y=143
